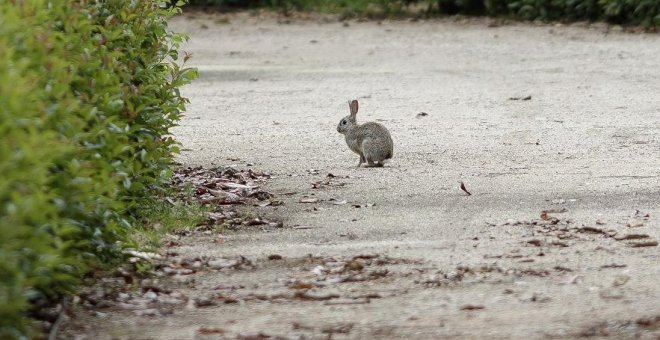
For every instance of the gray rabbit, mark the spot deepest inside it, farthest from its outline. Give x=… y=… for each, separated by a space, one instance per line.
x=370 y=140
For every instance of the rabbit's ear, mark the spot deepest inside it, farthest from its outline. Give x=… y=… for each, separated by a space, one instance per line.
x=354 y=107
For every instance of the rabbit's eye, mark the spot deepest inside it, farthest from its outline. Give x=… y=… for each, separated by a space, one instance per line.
x=343 y=122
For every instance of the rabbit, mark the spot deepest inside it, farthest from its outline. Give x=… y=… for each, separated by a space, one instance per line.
x=372 y=141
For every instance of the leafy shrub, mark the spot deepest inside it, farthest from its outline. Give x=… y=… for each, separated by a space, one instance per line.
x=637 y=12
x=88 y=93
x=545 y=9
x=644 y=12
x=469 y=7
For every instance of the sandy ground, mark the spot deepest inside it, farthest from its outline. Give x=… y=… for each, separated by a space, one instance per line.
x=586 y=145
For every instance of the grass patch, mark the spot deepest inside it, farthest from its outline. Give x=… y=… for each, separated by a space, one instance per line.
x=160 y=217
x=246 y=214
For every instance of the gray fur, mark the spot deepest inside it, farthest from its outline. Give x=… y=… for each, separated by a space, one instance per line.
x=371 y=141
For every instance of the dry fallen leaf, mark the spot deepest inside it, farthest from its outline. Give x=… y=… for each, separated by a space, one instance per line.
x=358 y=301
x=367 y=205
x=308 y=295
x=559 y=243
x=643 y=244
x=297 y=325
x=528 y=97
x=631 y=237
x=535 y=242
x=342 y=328
x=210 y=330
x=302 y=227
x=635 y=224
x=592 y=230
x=256 y=221
x=464 y=189
x=273 y=203
x=614 y=265
x=232 y=185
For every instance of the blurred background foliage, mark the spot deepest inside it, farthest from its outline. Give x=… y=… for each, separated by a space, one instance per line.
x=632 y=12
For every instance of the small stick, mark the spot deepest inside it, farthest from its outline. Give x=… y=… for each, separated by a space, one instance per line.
x=300 y=227
x=52 y=334
x=463 y=188
x=359 y=301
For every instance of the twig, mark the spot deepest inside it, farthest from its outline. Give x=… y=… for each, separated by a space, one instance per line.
x=52 y=335
x=359 y=301
x=300 y=227
x=472 y=307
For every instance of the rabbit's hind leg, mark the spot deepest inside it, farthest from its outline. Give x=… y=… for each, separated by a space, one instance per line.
x=373 y=164
x=371 y=154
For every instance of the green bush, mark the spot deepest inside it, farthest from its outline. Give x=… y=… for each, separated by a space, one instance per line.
x=644 y=12
x=88 y=93
x=545 y=9
x=636 y=12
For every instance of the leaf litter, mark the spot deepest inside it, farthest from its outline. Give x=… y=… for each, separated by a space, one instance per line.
x=565 y=229
x=330 y=181
x=312 y=284
x=223 y=189
x=551 y=231
x=224 y=185
x=527 y=97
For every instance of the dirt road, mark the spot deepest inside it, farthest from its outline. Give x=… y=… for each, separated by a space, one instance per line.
x=433 y=262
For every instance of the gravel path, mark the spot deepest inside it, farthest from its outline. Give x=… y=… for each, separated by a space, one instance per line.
x=584 y=145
